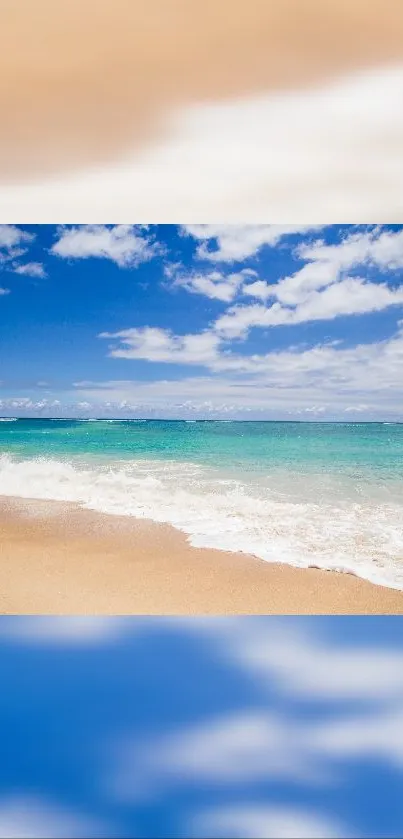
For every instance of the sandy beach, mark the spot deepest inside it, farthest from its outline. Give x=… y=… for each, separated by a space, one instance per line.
x=60 y=559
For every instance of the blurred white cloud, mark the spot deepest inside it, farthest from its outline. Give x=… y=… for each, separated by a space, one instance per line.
x=295 y=659
x=231 y=750
x=80 y=629
x=327 y=153
x=300 y=707
x=250 y=821
x=30 y=817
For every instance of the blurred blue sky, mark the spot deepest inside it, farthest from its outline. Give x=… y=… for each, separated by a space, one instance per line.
x=147 y=727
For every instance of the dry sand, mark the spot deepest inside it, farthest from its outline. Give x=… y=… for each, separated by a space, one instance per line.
x=58 y=559
x=81 y=81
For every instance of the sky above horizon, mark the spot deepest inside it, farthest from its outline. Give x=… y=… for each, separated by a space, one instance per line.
x=202 y=321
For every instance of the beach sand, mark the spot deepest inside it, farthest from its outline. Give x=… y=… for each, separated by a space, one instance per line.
x=60 y=559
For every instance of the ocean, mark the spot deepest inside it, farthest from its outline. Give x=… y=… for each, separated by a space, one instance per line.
x=325 y=495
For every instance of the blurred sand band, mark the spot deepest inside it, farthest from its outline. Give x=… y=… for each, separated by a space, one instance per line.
x=84 y=81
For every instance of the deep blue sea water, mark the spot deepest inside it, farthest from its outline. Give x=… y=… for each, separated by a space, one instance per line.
x=310 y=494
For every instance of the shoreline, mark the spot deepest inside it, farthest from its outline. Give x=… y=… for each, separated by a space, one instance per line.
x=58 y=558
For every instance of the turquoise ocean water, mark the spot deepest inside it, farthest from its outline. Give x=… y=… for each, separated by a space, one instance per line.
x=328 y=495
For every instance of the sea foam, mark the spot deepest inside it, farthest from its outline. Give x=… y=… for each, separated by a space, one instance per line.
x=216 y=512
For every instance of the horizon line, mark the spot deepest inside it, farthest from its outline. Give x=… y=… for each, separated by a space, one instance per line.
x=183 y=419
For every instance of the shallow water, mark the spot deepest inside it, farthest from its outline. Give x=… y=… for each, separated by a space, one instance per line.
x=310 y=494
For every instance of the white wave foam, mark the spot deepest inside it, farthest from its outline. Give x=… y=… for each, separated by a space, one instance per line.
x=8 y=419
x=360 y=538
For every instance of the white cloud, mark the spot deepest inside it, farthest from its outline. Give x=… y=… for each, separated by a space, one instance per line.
x=356 y=409
x=26 y=404
x=322 y=289
x=12 y=243
x=43 y=630
x=348 y=297
x=285 y=660
x=257 y=821
x=240 y=750
x=232 y=749
x=321 y=369
x=272 y=741
x=327 y=152
x=352 y=296
x=31 y=269
x=127 y=245
x=4 y=291
x=155 y=344
x=214 y=284
x=327 y=379
x=361 y=736
x=259 y=289
x=11 y=236
x=236 y=242
x=294 y=659
x=383 y=248
x=29 y=817
x=312 y=409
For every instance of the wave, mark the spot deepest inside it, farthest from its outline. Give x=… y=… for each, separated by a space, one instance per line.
x=8 y=419
x=364 y=539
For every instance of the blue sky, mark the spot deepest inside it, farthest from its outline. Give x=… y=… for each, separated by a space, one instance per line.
x=213 y=727
x=242 y=321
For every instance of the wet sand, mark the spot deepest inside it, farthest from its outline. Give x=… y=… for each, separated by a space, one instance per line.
x=60 y=559
x=83 y=81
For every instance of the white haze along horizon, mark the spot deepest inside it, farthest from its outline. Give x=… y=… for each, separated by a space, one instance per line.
x=328 y=152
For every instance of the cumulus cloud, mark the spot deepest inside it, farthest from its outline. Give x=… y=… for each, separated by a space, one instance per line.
x=352 y=296
x=383 y=248
x=235 y=242
x=13 y=243
x=127 y=245
x=155 y=344
x=11 y=236
x=26 y=404
x=31 y=269
x=322 y=289
x=214 y=284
